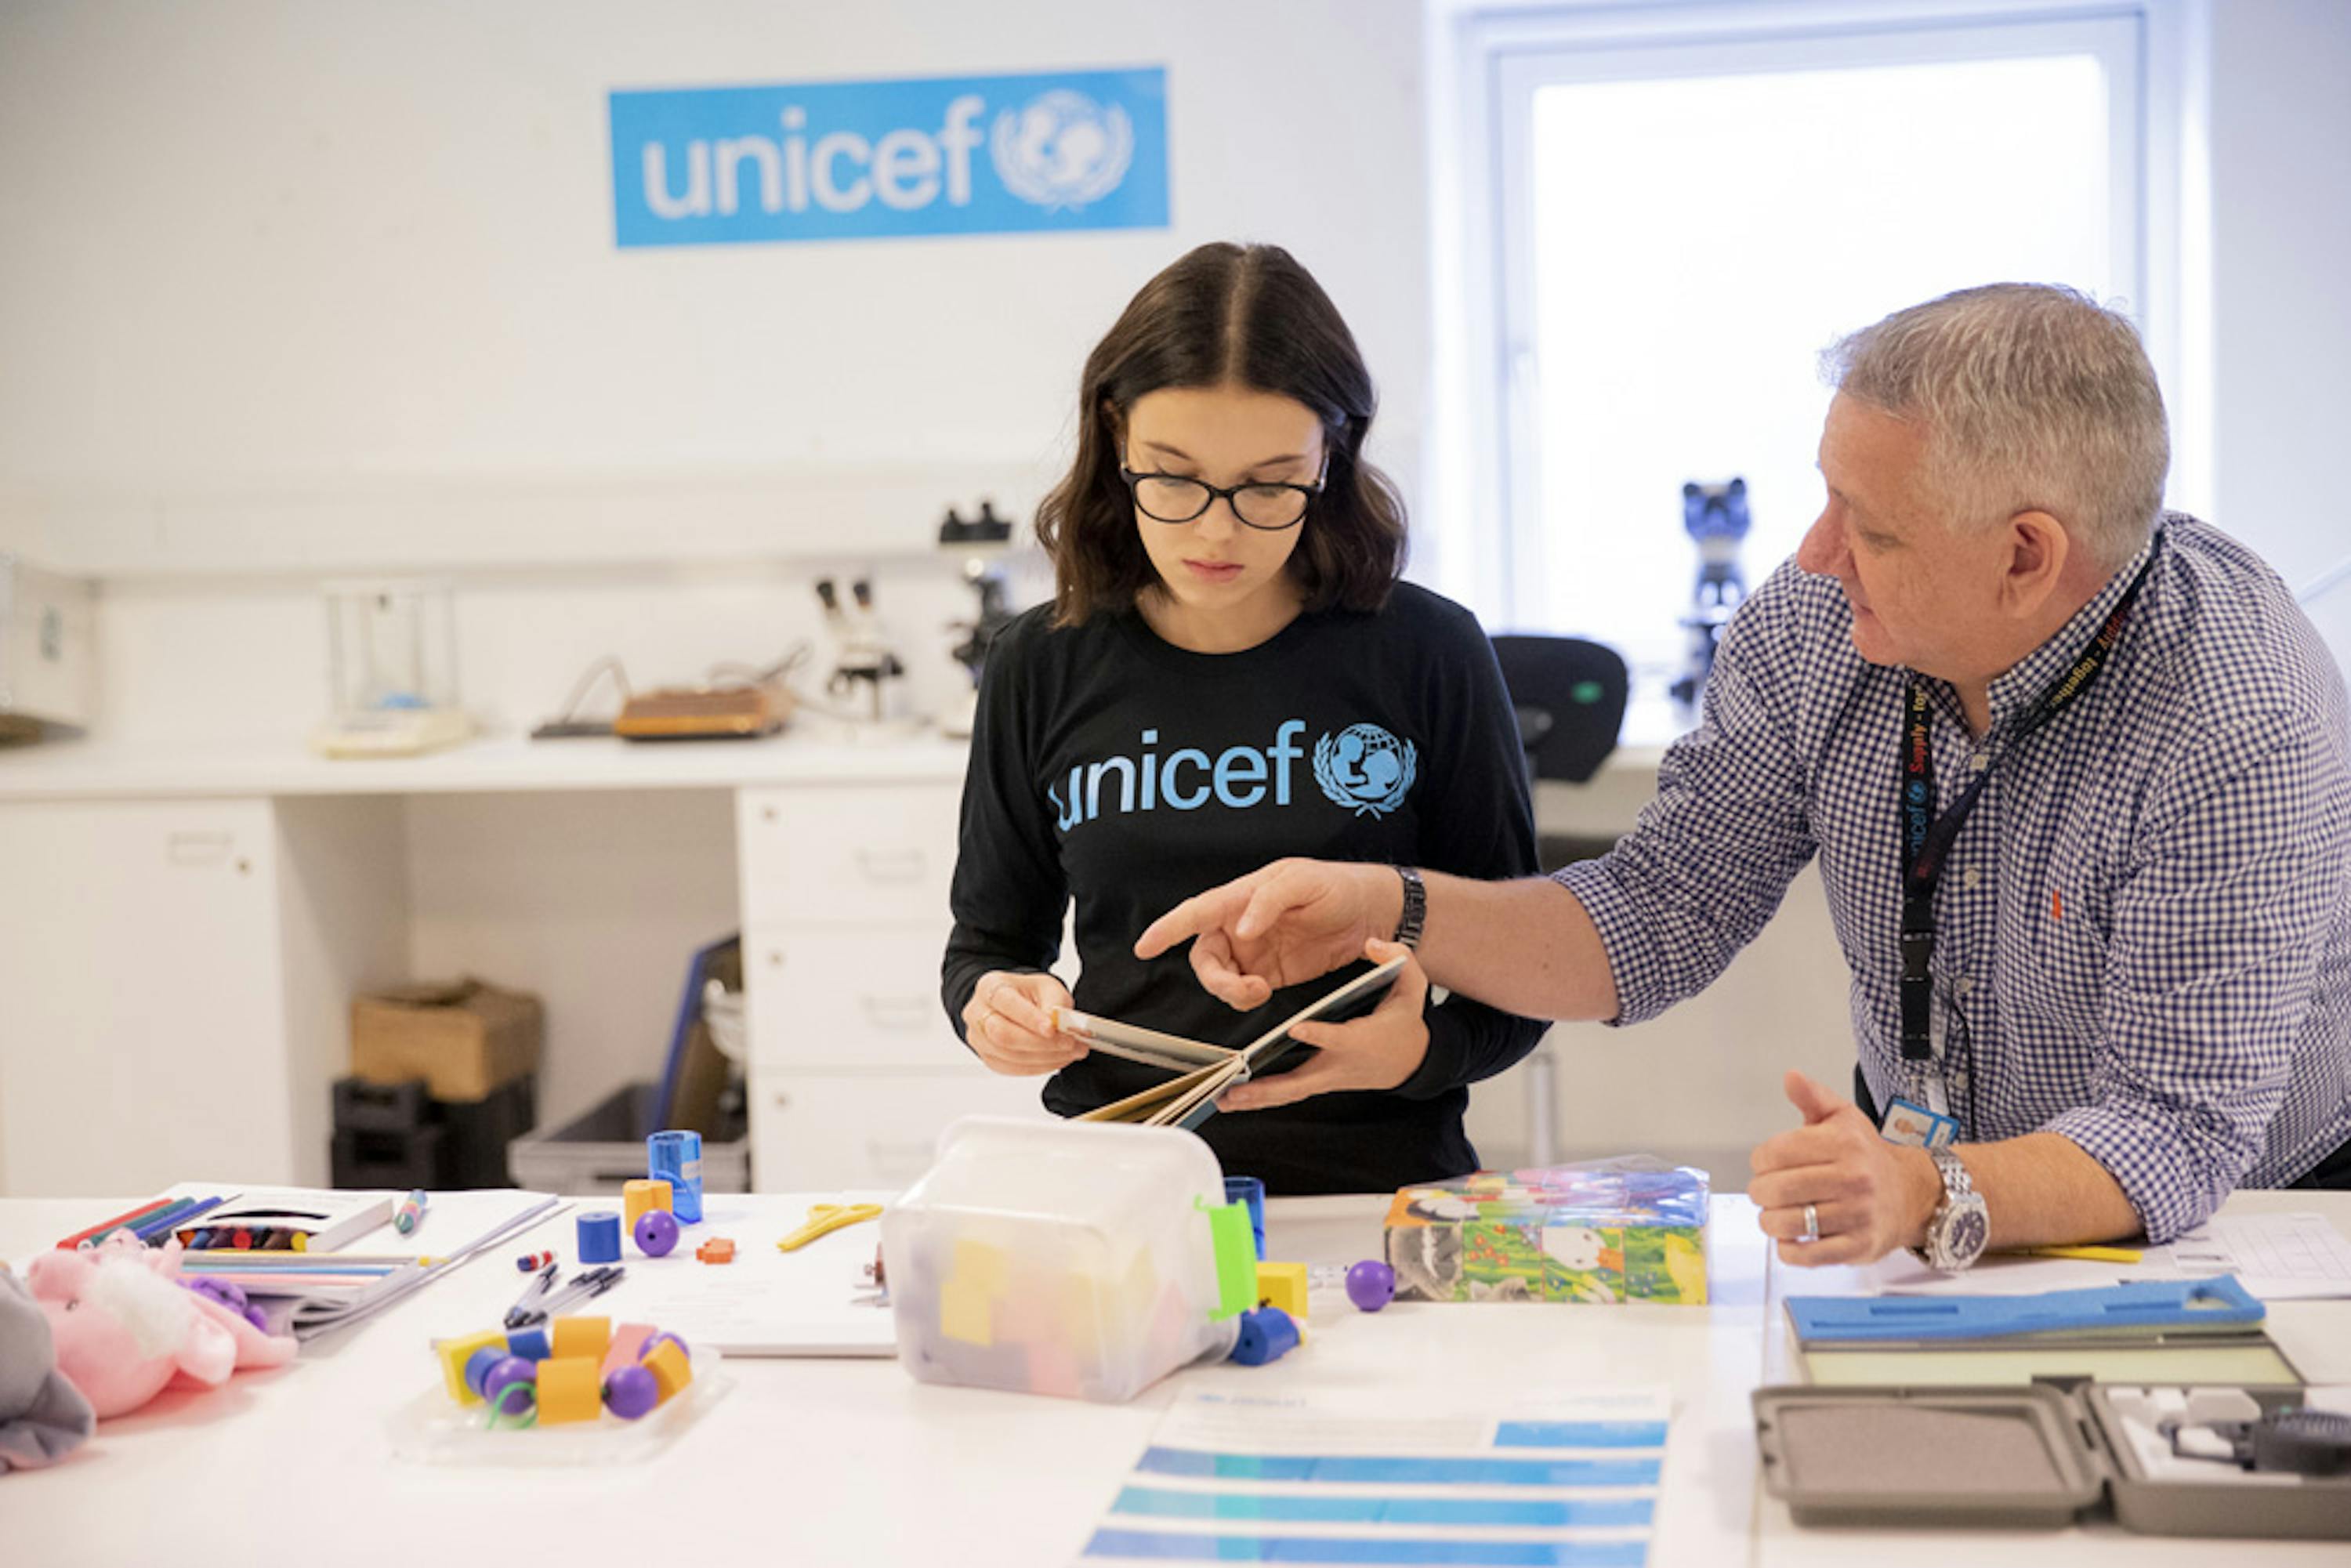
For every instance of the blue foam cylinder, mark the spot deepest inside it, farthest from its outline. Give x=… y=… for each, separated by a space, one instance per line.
x=600 y=1239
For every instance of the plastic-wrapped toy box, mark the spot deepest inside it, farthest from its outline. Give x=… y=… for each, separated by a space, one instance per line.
x=1060 y=1258
x=1626 y=1229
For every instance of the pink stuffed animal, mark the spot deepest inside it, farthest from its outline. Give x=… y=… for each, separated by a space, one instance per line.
x=126 y=1329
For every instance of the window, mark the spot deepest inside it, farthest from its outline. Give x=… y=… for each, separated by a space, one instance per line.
x=1675 y=223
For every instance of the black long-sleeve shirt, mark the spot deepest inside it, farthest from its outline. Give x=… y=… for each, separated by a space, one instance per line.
x=1111 y=765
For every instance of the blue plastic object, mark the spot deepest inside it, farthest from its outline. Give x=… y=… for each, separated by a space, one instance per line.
x=530 y=1344
x=600 y=1239
x=478 y=1364
x=2214 y=1304
x=676 y=1158
x=1266 y=1334
x=1251 y=1191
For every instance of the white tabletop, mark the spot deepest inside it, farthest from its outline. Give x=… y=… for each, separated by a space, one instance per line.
x=852 y=1463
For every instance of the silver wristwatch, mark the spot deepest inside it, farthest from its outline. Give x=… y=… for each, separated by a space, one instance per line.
x=1961 y=1226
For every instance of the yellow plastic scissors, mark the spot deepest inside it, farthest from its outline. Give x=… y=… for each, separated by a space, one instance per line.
x=826 y=1218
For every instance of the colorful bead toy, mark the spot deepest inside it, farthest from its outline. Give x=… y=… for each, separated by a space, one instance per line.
x=656 y=1232
x=590 y=1367
x=717 y=1250
x=1371 y=1284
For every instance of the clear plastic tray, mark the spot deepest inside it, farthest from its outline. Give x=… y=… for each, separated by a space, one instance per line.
x=432 y=1430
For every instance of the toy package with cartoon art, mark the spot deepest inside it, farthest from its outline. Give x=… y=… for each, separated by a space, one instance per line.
x=1631 y=1228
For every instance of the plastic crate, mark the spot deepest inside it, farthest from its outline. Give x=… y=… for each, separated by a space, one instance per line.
x=593 y=1154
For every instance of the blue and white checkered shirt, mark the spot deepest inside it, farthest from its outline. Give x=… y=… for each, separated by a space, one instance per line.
x=2144 y=930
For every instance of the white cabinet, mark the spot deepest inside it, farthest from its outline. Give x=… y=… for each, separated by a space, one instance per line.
x=170 y=995
x=855 y=1069
x=820 y=1132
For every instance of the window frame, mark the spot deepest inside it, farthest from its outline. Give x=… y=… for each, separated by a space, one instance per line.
x=1486 y=461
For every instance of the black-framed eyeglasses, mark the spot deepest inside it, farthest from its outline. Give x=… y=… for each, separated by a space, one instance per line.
x=1273 y=507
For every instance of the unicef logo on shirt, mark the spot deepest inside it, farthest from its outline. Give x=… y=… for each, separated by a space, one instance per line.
x=1062 y=149
x=1366 y=768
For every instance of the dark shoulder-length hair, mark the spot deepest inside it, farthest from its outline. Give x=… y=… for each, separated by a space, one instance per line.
x=1226 y=315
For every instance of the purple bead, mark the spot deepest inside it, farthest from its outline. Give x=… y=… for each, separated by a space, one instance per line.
x=1371 y=1284
x=631 y=1392
x=478 y=1366
x=656 y=1232
x=508 y=1371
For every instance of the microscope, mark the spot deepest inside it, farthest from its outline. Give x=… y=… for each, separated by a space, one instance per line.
x=867 y=673
x=1715 y=516
x=981 y=543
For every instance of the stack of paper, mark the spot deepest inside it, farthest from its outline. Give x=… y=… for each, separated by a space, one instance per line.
x=1360 y=1477
x=309 y=1294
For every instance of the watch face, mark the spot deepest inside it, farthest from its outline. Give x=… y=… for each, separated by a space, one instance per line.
x=1968 y=1232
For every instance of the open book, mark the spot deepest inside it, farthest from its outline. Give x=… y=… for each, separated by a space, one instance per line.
x=1204 y=1071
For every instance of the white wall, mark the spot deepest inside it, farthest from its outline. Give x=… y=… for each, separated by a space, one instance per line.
x=2281 y=137
x=291 y=289
x=279 y=255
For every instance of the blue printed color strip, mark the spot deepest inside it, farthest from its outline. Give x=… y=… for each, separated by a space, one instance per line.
x=1391 y=1471
x=1586 y=1513
x=1173 y=1547
x=1580 y=1435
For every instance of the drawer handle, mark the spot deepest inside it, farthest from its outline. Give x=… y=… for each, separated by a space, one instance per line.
x=192 y=848
x=891 y=865
x=900 y=1013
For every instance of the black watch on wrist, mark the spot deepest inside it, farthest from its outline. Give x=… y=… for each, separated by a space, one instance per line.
x=1415 y=908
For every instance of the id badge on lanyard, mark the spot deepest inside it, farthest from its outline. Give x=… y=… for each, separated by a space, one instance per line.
x=1921 y=1114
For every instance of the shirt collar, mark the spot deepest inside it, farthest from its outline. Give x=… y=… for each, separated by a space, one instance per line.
x=2029 y=678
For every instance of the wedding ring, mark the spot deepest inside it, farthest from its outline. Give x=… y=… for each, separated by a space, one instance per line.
x=1812 y=1224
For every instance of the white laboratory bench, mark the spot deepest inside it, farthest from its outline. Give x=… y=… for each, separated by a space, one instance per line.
x=184 y=928
x=808 y=1461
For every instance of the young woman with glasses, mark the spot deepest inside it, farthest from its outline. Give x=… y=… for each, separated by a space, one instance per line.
x=1231 y=671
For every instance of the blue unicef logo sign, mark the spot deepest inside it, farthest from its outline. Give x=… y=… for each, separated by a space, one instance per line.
x=1366 y=768
x=818 y=161
x=1063 y=151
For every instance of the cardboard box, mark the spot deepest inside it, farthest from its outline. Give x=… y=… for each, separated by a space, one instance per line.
x=1611 y=1230
x=465 y=1040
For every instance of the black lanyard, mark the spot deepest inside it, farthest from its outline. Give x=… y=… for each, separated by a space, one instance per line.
x=1927 y=839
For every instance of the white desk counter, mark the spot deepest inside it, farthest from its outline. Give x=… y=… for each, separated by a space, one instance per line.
x=852 y=1463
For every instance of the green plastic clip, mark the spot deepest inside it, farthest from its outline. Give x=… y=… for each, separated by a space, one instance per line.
x=1236 y=1249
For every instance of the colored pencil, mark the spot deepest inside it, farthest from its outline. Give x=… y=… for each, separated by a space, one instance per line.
x=102 y=1226
x=155 y=1229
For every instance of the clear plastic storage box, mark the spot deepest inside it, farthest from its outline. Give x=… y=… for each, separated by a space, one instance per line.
x=1057 y=1258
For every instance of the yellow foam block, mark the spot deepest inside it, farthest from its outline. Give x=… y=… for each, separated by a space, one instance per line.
x=672 y=1371
x=569 y=1390
x=981 y=1266
x=454 y=1353
x=583 y=1336
x=637 y=1196
x=965 y=1311
x=1283 y=1285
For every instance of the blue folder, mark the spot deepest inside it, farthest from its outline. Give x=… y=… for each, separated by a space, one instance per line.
x=2219 y=1303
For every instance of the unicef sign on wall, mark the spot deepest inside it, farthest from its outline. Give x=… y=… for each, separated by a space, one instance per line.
x=874 y=159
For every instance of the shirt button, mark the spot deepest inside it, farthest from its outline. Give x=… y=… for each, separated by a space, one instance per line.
x=1965 y=984
x=1979 y=762
x=1973 y=878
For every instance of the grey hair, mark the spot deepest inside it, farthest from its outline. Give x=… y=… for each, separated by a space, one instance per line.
x=2033 y=397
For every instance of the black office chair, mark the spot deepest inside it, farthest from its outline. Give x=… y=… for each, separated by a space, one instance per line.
x=1570 y=695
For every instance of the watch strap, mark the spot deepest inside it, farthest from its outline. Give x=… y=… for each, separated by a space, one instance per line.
x=1415 y=908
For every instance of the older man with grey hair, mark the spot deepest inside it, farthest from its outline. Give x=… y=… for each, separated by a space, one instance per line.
x=2078 y=775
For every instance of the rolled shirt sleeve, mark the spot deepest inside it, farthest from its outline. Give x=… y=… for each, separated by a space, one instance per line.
x=1709 y=859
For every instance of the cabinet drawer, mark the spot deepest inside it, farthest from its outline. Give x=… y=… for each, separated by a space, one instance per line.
x=855 y=997
x=832 y=853
x=824 y=1132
